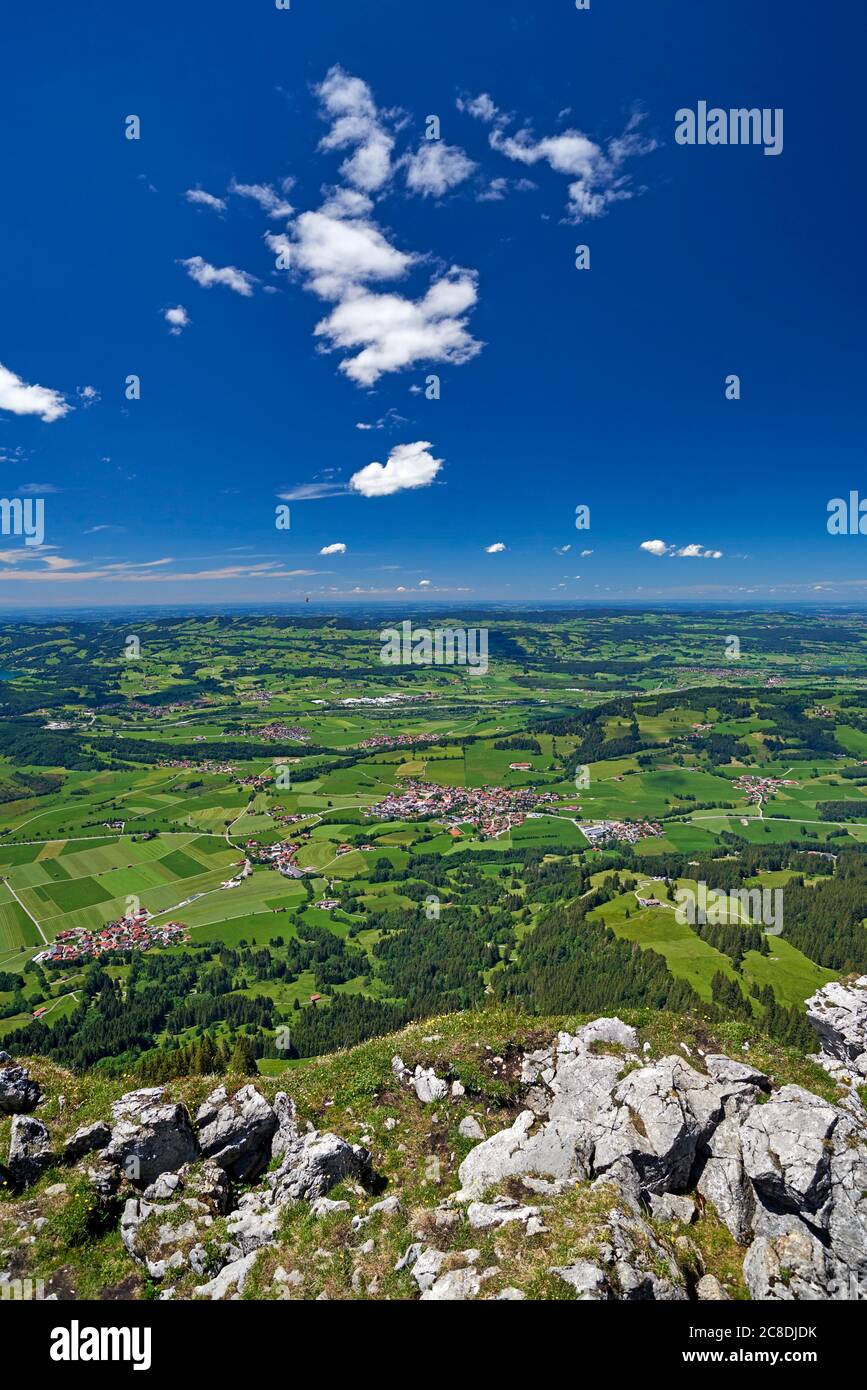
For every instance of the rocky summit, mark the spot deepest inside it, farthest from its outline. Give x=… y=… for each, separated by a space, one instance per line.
x=478 y=1156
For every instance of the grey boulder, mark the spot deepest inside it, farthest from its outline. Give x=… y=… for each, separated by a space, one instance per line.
x=236 y=1133
x=149 y=1136
x=29 y=1150
x=19 y=1093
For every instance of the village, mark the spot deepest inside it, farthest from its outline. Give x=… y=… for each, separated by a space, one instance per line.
x=492 y=810
x=398 y=740
x=131 y=933
x=277 y=732
x=623 y=832
x=758 y=788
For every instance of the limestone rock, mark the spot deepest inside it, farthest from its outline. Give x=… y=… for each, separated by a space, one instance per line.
x=668 y=1207
x=19 y=1093
x=710 y=1290
x=315 y=1163
x=29 y=1150
x=428 y=1086
x=787 y=1152
x=456 y=1286
x=588 y=1280
x=486 y=1216
x=838 y=1013
x=232 y=1276
x=661 y=1114
x=724 y=1182
x=149 y=1136
x=86 y=1140
x=790 y=1264
x=236 y=1133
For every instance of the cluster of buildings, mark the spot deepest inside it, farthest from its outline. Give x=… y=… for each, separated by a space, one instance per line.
x=622 y=831
x=758 y=788
x=399 y=699
x=397 y=740
x=491 y=810
x=259 y=781
x=188 y=765
x=275 y=733
x=131 y=933
x=280 y=856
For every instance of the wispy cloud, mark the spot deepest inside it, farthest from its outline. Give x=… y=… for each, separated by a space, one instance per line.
x=269 y=200
x=209 y=275
x=312 y=492
x=205 y=200
x=597 y=170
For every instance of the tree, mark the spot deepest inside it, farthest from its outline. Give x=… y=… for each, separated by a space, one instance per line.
x=243 y=1058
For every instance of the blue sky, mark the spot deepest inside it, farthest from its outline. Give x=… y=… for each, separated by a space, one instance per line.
x=408 y=257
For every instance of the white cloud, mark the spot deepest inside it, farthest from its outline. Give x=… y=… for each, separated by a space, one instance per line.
x=597 y=171
x=312 y=492
x=424 y=583
x=340 y=254
x=698 y=552
x=346 y=202
x=562 y=549
x=436 y=167
x=209 y=275
x=336 y=255
x=206 y=200
x=21 y=399
x=356 y=124
x=338 y=548
x=177 y=318
x=408 y=466
x=481 y=107
x=495 y=548
x=683 y=552
x=262 y=193
x=495 y=191
x=392 y=332
x=585 y=553
x=88 y=395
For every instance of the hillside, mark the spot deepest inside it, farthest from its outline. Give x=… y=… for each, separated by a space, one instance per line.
x=650 y=1157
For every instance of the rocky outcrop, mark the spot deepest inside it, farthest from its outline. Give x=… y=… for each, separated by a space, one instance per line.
x=236 y=1133
x=786 y=1171
x=29 y=1150
x=838 y=1013
x=724 y=1181
x=789 y=1263
x=86 y=1140
x=654 y=1145
x=19 y=1093
x=149 y=1136
x=787 y=1153
x=314 y=1163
